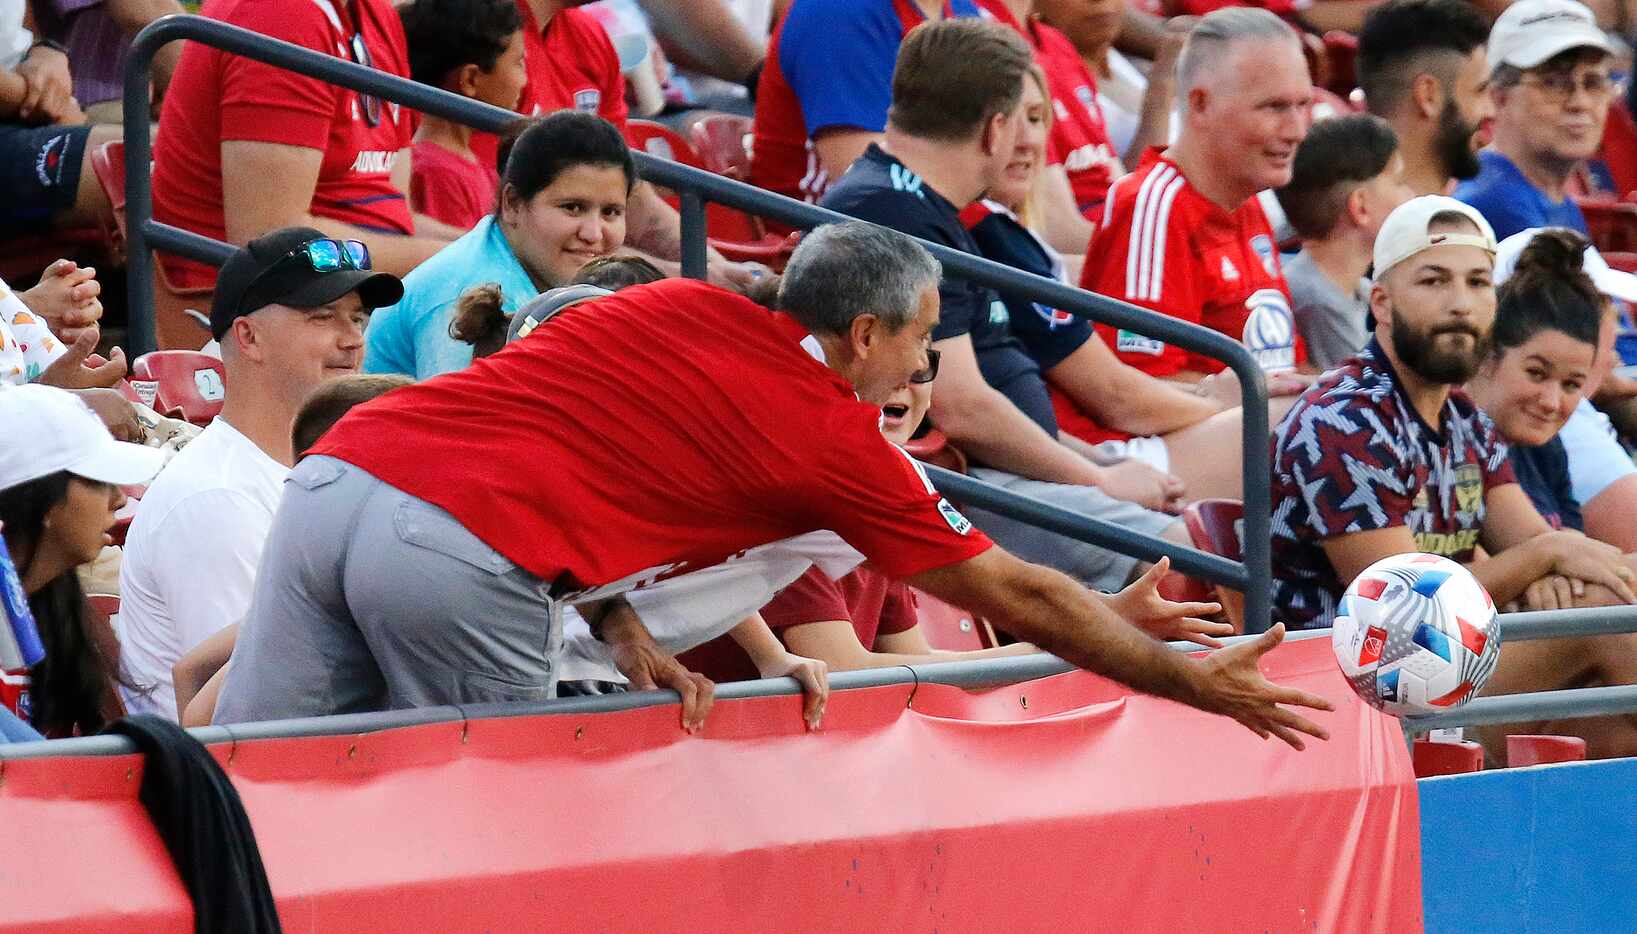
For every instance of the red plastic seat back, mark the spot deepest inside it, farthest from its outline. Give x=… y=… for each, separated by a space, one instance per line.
x=1214 y=527
x=1613 y=224
x=723 y=144
x=1526 y=749
x=1341 y=53
x=1432 y=758
x=947 y=627
x=1213 y=524
x=183 y=384
x=108 y=162
x=721 y=222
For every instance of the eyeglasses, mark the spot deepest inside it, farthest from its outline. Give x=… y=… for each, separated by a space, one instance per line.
x=931 y=372
x=370 y=104
x=320 y=256
x=1559 y=86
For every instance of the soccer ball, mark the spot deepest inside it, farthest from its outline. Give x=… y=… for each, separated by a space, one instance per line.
x=1416 y=634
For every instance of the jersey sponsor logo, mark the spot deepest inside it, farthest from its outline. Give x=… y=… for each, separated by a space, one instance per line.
x=1088 y=156
x=1132 y=342
x=1262 y=244
x=1270 y=331
x=588 y=99
x=1150 y=220
x=961 y=524
x=1448 y=544
x=1054 y=319
x=1469 y=488
x=998 y=315
x=904 y=180
x=374 y=161
x=1230 y=273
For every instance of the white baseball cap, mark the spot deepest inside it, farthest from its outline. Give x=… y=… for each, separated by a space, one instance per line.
x=1404 y=233
x=50 y=430
x=1531 y=31
x=1610 y=281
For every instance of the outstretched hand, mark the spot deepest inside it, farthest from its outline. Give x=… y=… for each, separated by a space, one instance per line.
x=1233 y=685
x=1141 y=605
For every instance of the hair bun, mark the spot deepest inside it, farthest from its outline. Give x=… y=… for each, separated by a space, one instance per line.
x=1555 y=252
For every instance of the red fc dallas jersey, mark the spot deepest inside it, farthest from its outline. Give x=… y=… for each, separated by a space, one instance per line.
x=1164 y=246
x=1079 y=136
x=571 y=65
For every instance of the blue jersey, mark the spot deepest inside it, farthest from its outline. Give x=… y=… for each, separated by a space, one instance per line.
x=1511 y=203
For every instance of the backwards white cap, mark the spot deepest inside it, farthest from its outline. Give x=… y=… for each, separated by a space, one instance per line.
x=1405 y=234
x=1531 y=31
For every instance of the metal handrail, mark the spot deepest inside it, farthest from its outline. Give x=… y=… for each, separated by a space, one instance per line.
x=696 y=187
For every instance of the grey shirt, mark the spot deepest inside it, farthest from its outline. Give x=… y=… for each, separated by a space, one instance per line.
x=1331 y=322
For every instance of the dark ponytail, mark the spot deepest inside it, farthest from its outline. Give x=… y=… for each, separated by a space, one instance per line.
x=478 y=319
x=1548 y=290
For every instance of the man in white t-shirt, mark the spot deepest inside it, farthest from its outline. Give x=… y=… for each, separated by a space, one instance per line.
x=289 y=311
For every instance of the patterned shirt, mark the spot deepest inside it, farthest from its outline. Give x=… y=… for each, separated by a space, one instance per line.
x=1353 y=455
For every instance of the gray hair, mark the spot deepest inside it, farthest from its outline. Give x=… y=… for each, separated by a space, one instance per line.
x=841 y=271
x=1209 y=41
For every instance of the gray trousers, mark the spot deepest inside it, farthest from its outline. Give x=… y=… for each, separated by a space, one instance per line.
x=1098 y=568
x=368 y=598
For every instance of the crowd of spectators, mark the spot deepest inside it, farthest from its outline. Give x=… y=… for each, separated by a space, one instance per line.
x=577 y=469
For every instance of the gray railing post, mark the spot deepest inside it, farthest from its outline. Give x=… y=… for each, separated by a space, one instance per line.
x=693 y=235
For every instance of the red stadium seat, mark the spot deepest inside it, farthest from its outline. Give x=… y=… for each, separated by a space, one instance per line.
x=174 y=326
x=1525 y=750
x=950 y=628
x=1613 y=224
x=1213 y=525
x=735 y=234
x=1327 y=104
x=934 y=448
x=1438 y=758
x=183 y=384
x=723 y=143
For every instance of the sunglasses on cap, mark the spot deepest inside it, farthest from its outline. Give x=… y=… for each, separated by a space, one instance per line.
x=931 y=372
x=320 y=256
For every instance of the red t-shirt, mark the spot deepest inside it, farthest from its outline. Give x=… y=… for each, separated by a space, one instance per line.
x=449 y=187
x=652 y=432
x=571 y=65
x=1162 y=245
x=1079 y=137
x=875 y=604
x=216 y=97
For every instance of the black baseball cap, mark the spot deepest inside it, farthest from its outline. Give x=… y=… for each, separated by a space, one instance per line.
x=264 y=272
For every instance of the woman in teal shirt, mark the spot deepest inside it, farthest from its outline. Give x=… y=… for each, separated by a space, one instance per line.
x=562 y=200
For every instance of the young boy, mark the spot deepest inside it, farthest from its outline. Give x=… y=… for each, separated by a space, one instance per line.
x=473 y=48
x=1347 y=178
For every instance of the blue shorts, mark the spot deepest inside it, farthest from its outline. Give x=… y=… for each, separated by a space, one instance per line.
x=39 y=172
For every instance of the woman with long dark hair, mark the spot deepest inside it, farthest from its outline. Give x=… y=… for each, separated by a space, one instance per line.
x=59 y=489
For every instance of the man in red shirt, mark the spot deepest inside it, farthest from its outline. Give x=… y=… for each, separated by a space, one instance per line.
x=417 y=559
x=1183 y=234
x=245 y=147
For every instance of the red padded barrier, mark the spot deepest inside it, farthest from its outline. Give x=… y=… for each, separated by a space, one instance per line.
x=1061 y=804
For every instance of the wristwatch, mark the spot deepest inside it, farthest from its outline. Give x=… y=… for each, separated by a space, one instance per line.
x=50 y=44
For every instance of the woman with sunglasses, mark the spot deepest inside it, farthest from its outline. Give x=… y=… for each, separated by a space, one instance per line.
x=58 y=495
x=564 y=186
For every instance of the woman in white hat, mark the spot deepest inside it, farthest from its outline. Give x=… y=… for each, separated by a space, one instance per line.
x=60 y=478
